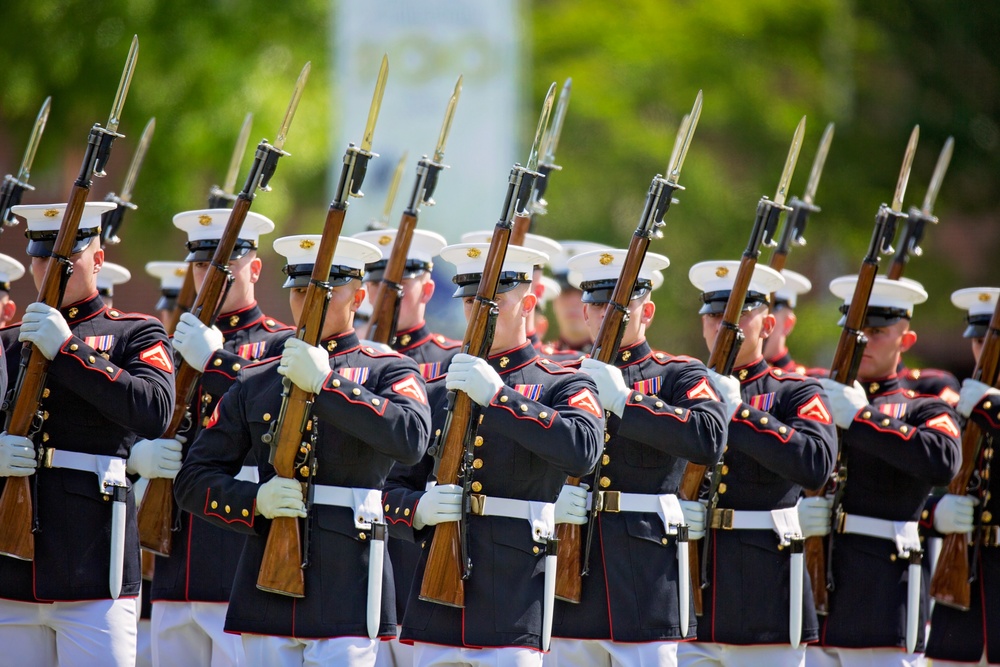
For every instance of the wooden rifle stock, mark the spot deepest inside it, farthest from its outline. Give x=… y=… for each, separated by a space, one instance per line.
x=382 y=326
x=185 y=300
x=950 y=584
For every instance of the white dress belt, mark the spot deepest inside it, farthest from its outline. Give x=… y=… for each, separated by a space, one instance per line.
x=366 y=503
x=905 y=534
x=540 y=516
x=110 y=470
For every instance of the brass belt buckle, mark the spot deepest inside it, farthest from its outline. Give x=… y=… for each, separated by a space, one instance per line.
x=723 y=519
x=47 y=454
x=609 y=501
x=477 y=502
x=991 y=536
x=841 y=522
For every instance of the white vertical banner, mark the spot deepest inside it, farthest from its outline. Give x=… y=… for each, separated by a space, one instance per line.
x=429 y=43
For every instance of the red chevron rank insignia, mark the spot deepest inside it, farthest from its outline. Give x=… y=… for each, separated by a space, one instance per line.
x=815 y=410
x=411 y=388
x=157 y=357
x=586 y=401
x=945 y=424
x=702 y=390
x=214 y=419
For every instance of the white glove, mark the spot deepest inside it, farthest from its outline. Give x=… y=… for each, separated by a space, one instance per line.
x=845 y=400
x=196 y=342
x=475 y=377
x=729 y=389
x=442 y=503
x=611 y=387
x=156 y=458
x=815 y=515
x=305 y=365
x=694 y=517
x=972 y=392
x=280 y=496
x=571 y=505
x=17 y=456
x=44 y=327
x=953 y=514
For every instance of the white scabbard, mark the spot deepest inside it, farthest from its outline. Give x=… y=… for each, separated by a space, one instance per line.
x=376 y=562
x=796 y=577
x=549 y=601
x=118 y=520
x=683 y=579
x=913 y=601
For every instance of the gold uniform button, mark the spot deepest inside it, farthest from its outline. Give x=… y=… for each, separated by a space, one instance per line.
x=782 y=430
x=74 y=347
x=477 y=486
x=109 y=369
x=215 y=504
x=106 y=497
x=478 y=442
x=45 y=392
x=987 y=405
x=375 y=401
x=925 y=514
x=386 y=508
x=356 y=391
x=362 y=536
x=725 y=469
x=605 y=460
x=659 y=404
x=534 y=550
x=607 y=436
x=406 y=512
x=217 y=362
x=638 y=397
x=91 y=358
x=987 y=516
x=227 y=509
x=267 y=416
x=245 y=512
x=763 y=420
x=477 y=464
x=543 y=415
x=745 y=414
x=904 y=428
x=678 y=411
x=866 y=414
x=524 y=407
x=722 y=488
x=45 y=437
x=236 y=367
x=663 y=540
x=335 y=383
x=886 y=421
x=892 y=557
x=503 y=399
x=781 y=547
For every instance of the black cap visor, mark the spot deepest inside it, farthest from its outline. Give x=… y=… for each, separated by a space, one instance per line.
x=42 y=243
x=877 y=317
x=715 y=302
x=468 y=283
x=204 y=250
x=299 y=275
x=600 y=291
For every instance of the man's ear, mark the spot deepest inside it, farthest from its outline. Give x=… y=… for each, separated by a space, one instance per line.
x=908 y=340
x=359 y=298
x=255 y=268
x=768 y=325
x=790 y=320
x=426 y=291
x=528 y=302
x=98 y=259
x=7 y=314
x=647 y=312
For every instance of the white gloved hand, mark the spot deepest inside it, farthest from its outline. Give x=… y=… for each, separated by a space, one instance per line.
x=307 y=366
x=280 y=496
x=571 y=505
x=44 y=327
x=972 y=392
x=953 y=514
x=729 y=391
x=611 y=387
x=695 y=515
x=156 y=458
x=815 y=515
x=475 y=377
x=195 y=342
x=845 y=400
x=440 y=504
x=17 y=456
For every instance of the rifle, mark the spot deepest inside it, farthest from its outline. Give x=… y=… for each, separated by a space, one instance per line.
x=14 y=186
x=953 y=575
x=16 y=512
x=448 y=563
x=917 y=218
x=156 y=514
x=382 y=222
x=382 y=326
x=574 y=561
x=728 y=342
x=112 y=221
x=292 y=450
x=851 y=346
x=217 y=198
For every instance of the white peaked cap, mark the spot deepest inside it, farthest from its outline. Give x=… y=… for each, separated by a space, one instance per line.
x=900 y=294
x=424 y=247
x=795 y=284
x=208 y=224
x=534 y=241
x=170 y=274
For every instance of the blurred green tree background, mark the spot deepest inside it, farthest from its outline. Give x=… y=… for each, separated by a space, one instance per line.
x=874 y=69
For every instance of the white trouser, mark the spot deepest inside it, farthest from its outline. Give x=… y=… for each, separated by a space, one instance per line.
x=880 y=657
x=92 y=632
x=703 y=654
x=818 y=656
x=603 y=653
x=191 y=633
x=428 y=655
x=143 y=637
x=393 y=653
x=267 y=651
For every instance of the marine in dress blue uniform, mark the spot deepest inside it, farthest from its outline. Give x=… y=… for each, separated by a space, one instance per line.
x=663 y=412
x=781 y=441
x=370 y=410
x=540 y=423
x=973 y=636
x=191 y=587
x=785 y=301
x=898 y=446
x=567 y=307
x=171 y=276
x=109 y=382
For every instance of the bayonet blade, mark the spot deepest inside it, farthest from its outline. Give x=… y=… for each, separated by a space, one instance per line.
x=300 y=84
x=36 y=137
x=390 y=197
x=551 y=141
x=678 y=140
x=904 y=171
x=939 y=170
x=692 y=123
x=818 y=162
x=116 y=108
x=239 y=150
x=140 y=154
x=793 y=156
x=383 y=75
x=543 y=121
x=449 y=114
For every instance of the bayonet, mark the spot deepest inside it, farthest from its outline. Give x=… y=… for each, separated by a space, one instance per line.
x=140 y=154
x=449 y=114
x=551 y=140
x=390 y=197
x=793 y=157
x=904 y=170
x=116 y=107
x=818 y=162
x=13 y=187
x=939 y=170
x=543 y=120
x=267 y=154
x=683 y=142
x=300 y=84
x=239 y=150
x=111 y=221
x=383 y=75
